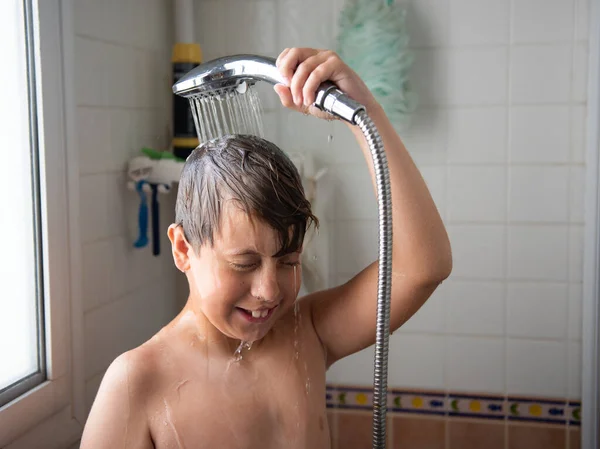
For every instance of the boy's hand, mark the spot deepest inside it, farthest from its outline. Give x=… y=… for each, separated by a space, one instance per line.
x=306 y=68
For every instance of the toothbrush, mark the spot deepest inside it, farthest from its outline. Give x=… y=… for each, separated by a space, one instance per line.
x=142 y=239
x=155 y=222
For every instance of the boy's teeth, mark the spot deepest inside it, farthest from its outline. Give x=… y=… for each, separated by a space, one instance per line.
x=259 y=314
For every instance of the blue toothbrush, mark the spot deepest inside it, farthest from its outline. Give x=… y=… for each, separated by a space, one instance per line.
x=142 y=239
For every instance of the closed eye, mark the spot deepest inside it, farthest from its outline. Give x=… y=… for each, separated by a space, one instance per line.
x=240 y=266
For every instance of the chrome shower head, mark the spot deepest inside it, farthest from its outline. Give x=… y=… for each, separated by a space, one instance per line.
x=236 y=72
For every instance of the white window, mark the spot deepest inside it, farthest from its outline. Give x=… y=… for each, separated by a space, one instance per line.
x=41 y=388
x=22 y=353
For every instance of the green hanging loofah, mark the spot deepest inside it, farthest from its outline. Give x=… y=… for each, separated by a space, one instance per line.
x=373 y=41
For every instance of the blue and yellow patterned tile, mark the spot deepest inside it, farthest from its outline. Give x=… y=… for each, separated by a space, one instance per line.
x=417 y=402
x=356 y=398
x=574 y=413
x=544 y=410
x=538 y=410
x=487 y=407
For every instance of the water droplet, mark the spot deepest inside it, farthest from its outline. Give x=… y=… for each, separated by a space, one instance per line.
x=330 y=138
x=296 y=319
x=237 y=355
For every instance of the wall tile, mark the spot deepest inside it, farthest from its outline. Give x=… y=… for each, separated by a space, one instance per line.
x=525 y=300
x=425 y=140
x=93 y=139
x=539 y=134
x=474 y=22
x=476 y=194
x=484 y=302
x=574 y=370
x=477 y=135
x=299 y=26
x=477 y=76
x=429 y=76
x=91 y=18
x=428 y=22
x=121 y=141
x=418 y=369
x=578 y=134
x=475 y=364
x=131 y=268
x=344 y=145
x=556 y=26
x=536 y=437
x=252 y=27
x=537 y=253
x=354 y=193
x=354 y=369
x=306 y=134
x=113 y=329
x=545 y=187
x=93 y=207
x=540 y=74
x=354 y=430
x=96 y=262
x=579 y=91
x=576 y=253
x=91 y=72
x=524 y=371
x=582 y=20
x=418 y=433
x=574 y=438
x=577 y=194
x=210 y=17
x=120 y=76
x=117 y=222
x=356 y=245
x=466 y=434
x=477 y=251
x=575 y=311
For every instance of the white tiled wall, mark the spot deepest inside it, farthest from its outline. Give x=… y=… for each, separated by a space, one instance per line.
x=122 y=76
x=499 y=137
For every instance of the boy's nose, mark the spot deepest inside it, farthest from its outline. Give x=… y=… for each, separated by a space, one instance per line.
x=266 y=287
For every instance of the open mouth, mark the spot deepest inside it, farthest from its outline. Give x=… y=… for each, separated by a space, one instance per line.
x=257 y=316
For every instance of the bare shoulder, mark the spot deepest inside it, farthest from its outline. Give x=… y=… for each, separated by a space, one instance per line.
x=118 y=417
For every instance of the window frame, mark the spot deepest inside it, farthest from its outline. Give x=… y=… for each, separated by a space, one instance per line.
x=52 y=414
x=30 y=381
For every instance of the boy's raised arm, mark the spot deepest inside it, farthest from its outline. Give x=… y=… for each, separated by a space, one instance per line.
x=345 y=317
x=118 y=418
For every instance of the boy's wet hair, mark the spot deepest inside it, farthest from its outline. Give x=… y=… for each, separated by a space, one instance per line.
x=257 y=176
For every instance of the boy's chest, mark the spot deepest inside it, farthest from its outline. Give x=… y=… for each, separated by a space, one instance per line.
x=266 y=404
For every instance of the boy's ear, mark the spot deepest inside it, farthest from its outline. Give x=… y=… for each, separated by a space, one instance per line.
x=180 y=247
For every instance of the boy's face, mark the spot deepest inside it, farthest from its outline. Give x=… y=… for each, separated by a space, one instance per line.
x=237 y=284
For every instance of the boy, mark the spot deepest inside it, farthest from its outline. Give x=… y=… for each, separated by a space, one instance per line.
x=241 y=219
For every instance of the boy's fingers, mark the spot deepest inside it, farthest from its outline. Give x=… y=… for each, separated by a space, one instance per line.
x=320 y=74
x=290 y=61
x=281 y=56
x=284 y=95
x=301 y=74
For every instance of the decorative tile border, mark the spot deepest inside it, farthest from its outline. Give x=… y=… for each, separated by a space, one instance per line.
x=459 y=405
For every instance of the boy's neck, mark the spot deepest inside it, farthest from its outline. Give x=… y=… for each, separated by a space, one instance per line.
x=201 y=330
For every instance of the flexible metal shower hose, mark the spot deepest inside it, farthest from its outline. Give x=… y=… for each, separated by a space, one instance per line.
x=382 y=181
